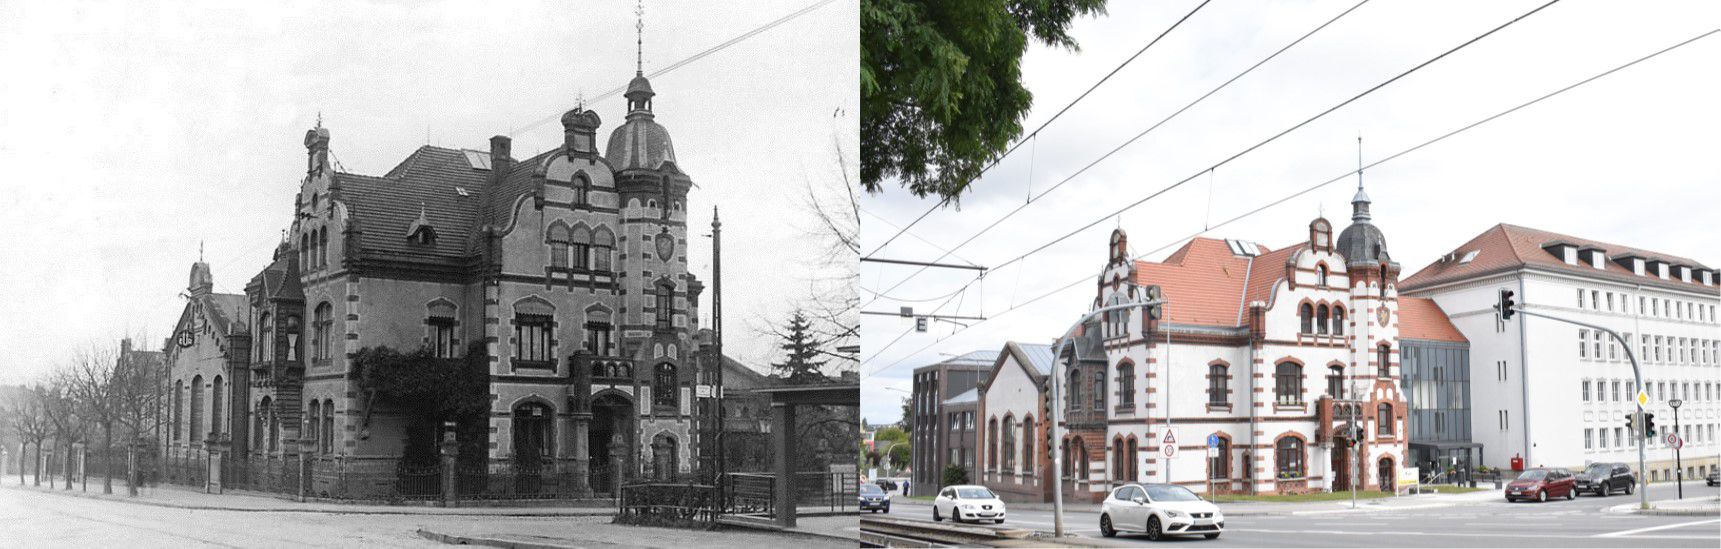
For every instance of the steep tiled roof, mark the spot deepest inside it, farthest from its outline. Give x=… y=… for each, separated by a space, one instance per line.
x=225 y=310
x=1206 y=284
x=1504 y=248
x=1420 y=318
x=430 y=180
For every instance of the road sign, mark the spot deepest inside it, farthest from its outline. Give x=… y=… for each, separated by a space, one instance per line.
x=1213 y=440
x=1642 y=398
x=1170 y=450
x=1674 y=441
x=1170 y=436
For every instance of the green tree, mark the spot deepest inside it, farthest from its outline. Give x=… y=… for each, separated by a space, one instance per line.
x=893 y=444
x=907 y=422
x=955 y=474
x=941 y=90
x=801 y=350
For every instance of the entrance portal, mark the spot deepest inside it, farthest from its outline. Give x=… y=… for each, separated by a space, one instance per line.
x=612 y=415
x=1387 y=475
x=1341 y=464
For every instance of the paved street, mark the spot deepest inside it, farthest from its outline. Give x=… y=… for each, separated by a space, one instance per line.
x=30 y=518
x=1490 y=522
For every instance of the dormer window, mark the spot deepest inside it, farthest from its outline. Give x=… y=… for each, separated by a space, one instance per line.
x=425 y=235
x=1570 y=254
x=1685 y=273
x=1593 y=255
x=1321 y=234
x=1566 y=251
x=1708 y=278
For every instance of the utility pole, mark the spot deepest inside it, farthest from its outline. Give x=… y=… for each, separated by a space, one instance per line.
x=717 y=335
x=1678 y=465
x=1152 y=301
x=1508 y=306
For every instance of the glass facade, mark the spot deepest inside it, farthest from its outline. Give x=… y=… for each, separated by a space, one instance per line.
x=1437 y=387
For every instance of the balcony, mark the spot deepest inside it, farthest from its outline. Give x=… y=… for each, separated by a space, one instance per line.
x=605 y=369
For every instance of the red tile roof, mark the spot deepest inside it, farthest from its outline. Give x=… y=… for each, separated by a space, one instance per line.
x=1420 y=318
x=1205 y=283
x=1504 y=248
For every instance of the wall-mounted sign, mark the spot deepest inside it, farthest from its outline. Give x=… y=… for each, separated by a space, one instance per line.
x=185 y=339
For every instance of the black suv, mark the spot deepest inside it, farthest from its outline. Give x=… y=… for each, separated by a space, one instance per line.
x=1605 y=478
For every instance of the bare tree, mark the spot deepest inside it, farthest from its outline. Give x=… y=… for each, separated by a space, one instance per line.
x=29 y=419
x=62 y=411
x=139 y=395
x=831 y=301
x=90 y=383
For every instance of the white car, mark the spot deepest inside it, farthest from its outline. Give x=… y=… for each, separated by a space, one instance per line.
x=1159 y=510
x=967 y=502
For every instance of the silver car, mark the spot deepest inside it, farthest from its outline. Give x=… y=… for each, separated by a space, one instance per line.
x=1159 y=510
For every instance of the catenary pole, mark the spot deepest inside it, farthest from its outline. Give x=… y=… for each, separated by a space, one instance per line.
x=1058 y=408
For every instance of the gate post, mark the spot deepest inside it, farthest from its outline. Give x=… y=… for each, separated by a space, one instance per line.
x=450 y=451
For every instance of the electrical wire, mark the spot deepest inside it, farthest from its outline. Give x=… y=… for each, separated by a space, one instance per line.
x=1312 y=188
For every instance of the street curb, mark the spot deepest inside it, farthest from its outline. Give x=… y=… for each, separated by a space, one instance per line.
x=404 y=511
x=767 y=527
x=1631 y=509
x=447 y=539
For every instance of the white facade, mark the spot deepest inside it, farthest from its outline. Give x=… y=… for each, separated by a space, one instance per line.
x=1560 y=399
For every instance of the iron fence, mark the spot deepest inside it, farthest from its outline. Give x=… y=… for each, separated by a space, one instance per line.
x=667 y=504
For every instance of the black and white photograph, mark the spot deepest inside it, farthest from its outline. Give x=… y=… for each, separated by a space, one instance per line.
x=358 y=274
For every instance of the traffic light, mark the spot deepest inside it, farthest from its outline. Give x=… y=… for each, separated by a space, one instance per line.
x=1648 y=424
x=1154 y=294
x=1507 y=304
x=1631 y=423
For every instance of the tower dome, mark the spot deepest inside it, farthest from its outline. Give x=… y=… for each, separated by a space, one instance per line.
x=640 y=142
x=1362 y=242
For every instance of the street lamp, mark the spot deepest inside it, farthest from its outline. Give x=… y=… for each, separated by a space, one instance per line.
x=1149 y=298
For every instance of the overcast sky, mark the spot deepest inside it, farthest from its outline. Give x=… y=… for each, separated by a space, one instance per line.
x=1630 y=159
x=131 y=132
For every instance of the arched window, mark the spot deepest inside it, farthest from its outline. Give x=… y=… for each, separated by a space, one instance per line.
x=1082 y=459
x=313 y=420
x=323 y=247
x=328 y=426
x=1288 y=383
x=266 y=338
x=1219 y=466
x=304 y=251
x=1307 y=314
x=1007 y=440
x=1383 y=420
x=1338 y=320
x=603 y=250
x=582 y=190
x=178 y=408
x=439 y=322
x=321 y=325
x=1336 y=381
x=1075 y=389
x=533 y=442
x=1321 y=275
x=1117 y=463
x=1126 y=384
x=1385 y=360
x=665 y=304
x=534 y=332
x=663 y=385
x=582 y=248
x=992 y=444
x=1217 y=381
x=1099 y=392
x=558 y=238
x=1131 y=457
x=217 y=396
x=1321 y=319
x=311 y=262
x=1029 y=445
x=1288 y=455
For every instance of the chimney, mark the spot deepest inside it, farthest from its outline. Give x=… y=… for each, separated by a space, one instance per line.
x=500 y=160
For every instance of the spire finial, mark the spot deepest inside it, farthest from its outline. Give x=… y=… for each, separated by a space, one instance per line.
x=580 y=101
x=319 y=120
x=1359 y=161
x=1359 y=203
x=639 y=38
x=200 y=251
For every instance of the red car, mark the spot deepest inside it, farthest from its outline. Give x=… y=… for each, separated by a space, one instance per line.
x=1541 y=484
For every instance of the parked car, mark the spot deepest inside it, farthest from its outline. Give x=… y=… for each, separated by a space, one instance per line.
x=967 y=502
x=1159 y=510
x=1541 y=484
x=873 y=498
x=1714 y=478
x=1605 y=478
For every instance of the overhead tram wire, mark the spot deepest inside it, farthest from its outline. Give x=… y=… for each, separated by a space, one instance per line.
x=1312 y=188
x=678 y=64
x=1248 y=150
x=1126 y=143
x=1043 y=125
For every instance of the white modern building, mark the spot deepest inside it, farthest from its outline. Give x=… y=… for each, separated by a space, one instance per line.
x=1557 y=394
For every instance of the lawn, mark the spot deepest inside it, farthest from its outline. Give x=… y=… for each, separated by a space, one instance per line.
x=1295 y=498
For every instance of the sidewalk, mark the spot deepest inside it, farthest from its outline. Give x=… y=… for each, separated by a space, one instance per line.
x=186 y=498
x=596 y=532
x=1258 y=508
x=1688 y=507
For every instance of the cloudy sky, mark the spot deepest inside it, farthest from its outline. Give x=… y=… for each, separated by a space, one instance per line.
x=1630 y=158
x=134 y=132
